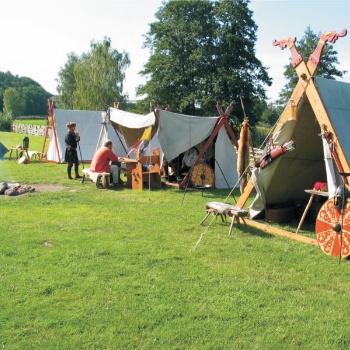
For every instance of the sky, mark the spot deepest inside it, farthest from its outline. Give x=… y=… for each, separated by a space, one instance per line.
x=37 y=35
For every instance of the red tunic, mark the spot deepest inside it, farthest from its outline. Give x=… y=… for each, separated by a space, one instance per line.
x=101 y=160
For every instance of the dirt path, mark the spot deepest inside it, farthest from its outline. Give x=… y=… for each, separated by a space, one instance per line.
x=48 y=188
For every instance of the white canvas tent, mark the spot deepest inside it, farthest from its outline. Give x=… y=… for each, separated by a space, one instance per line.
x=93 y=129
x=177 y=133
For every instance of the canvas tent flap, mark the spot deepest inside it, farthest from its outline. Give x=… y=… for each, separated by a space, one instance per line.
x=3 y=150
x=226 y=175
x=130 y=125
x=258 y=204
x=178 y=132
x=107 y=132
x=332 y=179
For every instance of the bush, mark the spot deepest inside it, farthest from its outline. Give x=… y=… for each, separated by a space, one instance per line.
x=5 y=121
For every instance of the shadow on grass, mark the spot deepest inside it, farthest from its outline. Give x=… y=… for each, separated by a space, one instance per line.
x=241 y=227
x=254 y=231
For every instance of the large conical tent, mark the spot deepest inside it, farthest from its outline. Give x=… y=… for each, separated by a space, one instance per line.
x=317 y=119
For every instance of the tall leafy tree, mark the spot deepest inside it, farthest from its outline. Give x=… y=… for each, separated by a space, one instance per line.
x=94 y=80
x=66 y=83
x=14 y=103
x=326 y=68
x=181 y=45
x=202 y=52
x=240 y=76
x=99 y=76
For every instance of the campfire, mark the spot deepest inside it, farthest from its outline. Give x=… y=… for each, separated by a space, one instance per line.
x=14 y=189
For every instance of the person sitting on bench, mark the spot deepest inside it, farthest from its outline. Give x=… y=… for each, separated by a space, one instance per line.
x=101 y=162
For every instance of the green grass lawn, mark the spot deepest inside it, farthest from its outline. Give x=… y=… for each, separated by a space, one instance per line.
x=41 y=121
x=86 y=268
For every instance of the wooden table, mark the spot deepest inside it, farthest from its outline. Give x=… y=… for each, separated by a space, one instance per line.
x=130 y=167
x=313 y=194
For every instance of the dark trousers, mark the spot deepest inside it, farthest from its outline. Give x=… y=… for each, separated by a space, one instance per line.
x=72 y=159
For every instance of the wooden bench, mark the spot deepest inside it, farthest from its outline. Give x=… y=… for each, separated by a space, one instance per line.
x=225 y=210
x=102 y=179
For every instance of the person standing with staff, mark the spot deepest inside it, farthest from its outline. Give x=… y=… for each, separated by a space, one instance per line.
x=71 y=156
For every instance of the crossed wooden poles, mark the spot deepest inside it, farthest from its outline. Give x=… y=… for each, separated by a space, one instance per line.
x=306 y=85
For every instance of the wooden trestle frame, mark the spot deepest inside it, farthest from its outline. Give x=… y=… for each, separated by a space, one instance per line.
x=306 y=86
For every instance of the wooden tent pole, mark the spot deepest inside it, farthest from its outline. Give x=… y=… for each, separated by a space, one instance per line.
x=48 y=123
x=277 y=231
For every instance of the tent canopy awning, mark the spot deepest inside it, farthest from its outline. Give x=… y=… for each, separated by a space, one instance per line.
x=130 y=125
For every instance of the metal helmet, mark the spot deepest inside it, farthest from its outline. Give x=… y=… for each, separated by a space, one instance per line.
x=341 y=195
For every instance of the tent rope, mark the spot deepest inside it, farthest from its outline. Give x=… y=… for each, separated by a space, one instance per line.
x=188 y=178
x=203 y=233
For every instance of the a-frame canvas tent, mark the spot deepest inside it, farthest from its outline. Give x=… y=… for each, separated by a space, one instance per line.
x=317 y=119
x=285 y=180
x=178 y=133
x=93 y=128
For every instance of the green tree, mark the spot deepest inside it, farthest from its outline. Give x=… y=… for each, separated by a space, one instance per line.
x=14 y=103
x=270 y=114
x=202 y=52
x=6 y=80
x=325 y=69
x=99 y=77
x=5 y=121
x=66 y=82
x=32 y=93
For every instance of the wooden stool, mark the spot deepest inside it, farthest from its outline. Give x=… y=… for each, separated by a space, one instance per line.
x=224 y=210
x=19 y=152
